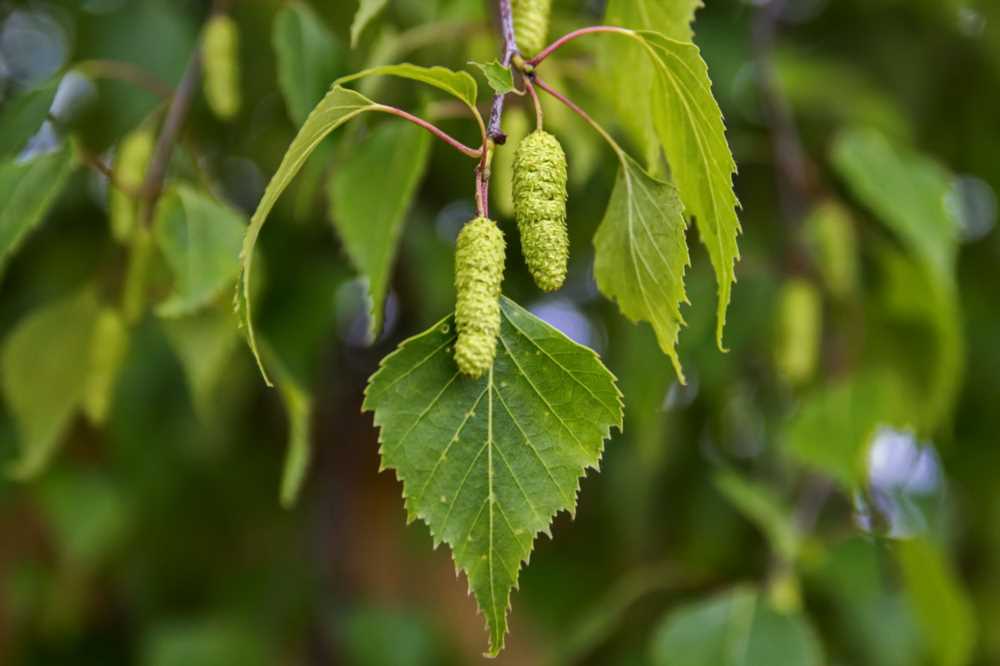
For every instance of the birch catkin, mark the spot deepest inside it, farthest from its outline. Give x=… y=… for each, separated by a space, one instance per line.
x=531 y=24
x=540 y=208
x=221 y=66
x=479 y=265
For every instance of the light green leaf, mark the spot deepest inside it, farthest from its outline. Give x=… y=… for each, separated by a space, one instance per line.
x=339 y=106
x=87 y=514
x=369 y=212
x=488 y=463
x=641 y=254
x=500 y=78
x=204 y=344
x=907 y=191
x=459 y=84
x=940 y=604
x=367 y=11
x=735 y=628
x=27 y=190
x=24 y=115
x=759 y=504
x=308 y=55
x=46 y=364
x=689 y=125
x=628 y=73
x=200 y=240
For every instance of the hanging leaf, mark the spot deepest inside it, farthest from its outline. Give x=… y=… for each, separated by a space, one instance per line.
x=488 y=463
x=367 y=11
x=459 y=84
x=24 y=115
x=46 y=363
x=641 y=254
x=308 y=56
x=369 y=212
x=735 y=628
x=200 y=239
x=339 y=106
x=27 y=190
x=299 y=412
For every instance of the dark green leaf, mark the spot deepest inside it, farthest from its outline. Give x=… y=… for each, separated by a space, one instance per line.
x=308 y=56
x=488 y=463
x=369 y=212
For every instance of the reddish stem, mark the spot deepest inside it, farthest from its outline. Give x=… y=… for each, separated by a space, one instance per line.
x=475 y=153
x=539 y=116
x=572 y=106
x=567 y=38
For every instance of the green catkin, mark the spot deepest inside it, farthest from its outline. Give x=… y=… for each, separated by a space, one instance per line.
x=531 y=25
x=479 y=265
x=131 y=161
x=221 y=66
x=540 y=208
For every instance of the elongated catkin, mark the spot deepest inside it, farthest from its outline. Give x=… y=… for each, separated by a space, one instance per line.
x=221 y=66
x=479 y=264
x=540 y=208
x=531 y=25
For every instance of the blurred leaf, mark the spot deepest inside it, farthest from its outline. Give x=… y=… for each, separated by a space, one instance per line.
x=641 y=254
x=369 y=212
x=832 y=240
x=907 y=191
x=46 y=368
x=218 y=641
x=832 y=428
x=459 y=84
x=22 y=116
x=107 y=351
x=308 y=57
x=735 y=628
x=86 y=513
x=516 y=442
x=339 y=106
x=759 y=504
x=131 y=161
x=204 y=343
x=628 y=73
x=376 y=637
x=27 y=190
x=500 y=78
x=799 y=330
x=200 y=239
x=367 y=10
x=299 y=412
x=939 y=602
x=690 y=127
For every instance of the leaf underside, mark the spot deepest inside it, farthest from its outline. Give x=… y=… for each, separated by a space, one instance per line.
x=488 y=463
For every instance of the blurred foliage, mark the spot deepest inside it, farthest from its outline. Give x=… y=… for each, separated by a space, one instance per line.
x=823 y=493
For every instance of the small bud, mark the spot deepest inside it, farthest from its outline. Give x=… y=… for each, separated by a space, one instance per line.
x=479 y=265
x=540 y=207
x=531 y=24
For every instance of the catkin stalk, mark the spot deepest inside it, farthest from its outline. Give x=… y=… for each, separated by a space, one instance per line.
x=479 y=265
x=531 y=24
x=540 y=177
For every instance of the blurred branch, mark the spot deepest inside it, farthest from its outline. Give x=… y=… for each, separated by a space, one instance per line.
x=128 y=73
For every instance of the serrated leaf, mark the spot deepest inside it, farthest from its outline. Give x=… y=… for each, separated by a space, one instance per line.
x=27 y=190
x=459 y=84
x=200 y=240
x=641 y=254
x=500 y=78
x=46 y=363
x=941 y=606
x=308 y=55
x=735 y=628
x=488 y=463
x=367 y=11
x=689 y=124
x=369 y=212
x=339 y=106
x=23 y=115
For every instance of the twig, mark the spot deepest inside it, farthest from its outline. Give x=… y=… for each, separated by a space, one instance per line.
x=509 y=51
x=475 y=153
x=572 y=106
x=128 y=73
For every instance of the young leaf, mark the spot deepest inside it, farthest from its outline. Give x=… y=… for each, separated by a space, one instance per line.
x=200 y=239
x=46 y=366
x=308 y=56
x=500 y=78
x=339 y=106
x=488 y=463
x=641 y=254
x=369 y=212
x=367 y=11
x=27 y=189
x=735 y=628
x=459 y=84
x=689 y=125
x=23 y=115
